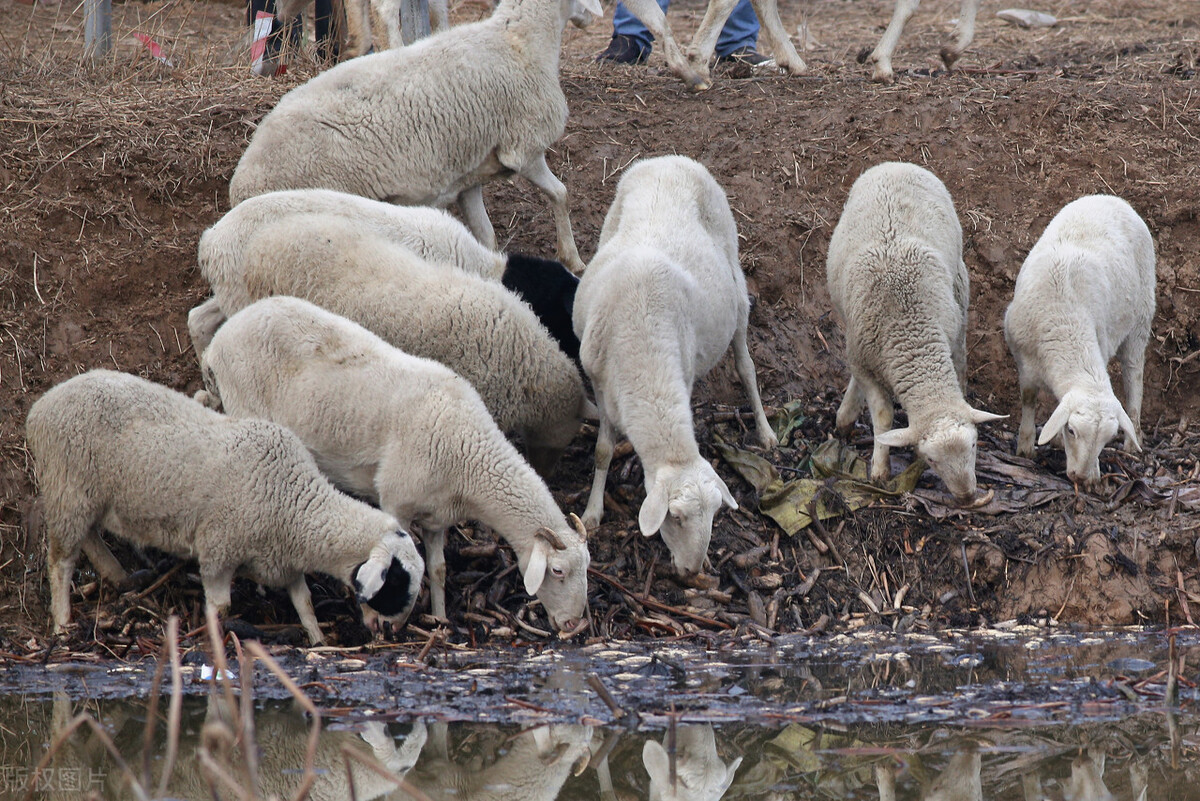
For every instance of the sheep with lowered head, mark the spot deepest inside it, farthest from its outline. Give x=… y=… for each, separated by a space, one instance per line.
x=655 y=310
x=431 y=123
x=156 y=468
x=400 y=430
x=897 y=279
x=434 y=235
x=1084 y=294
x=473 y=325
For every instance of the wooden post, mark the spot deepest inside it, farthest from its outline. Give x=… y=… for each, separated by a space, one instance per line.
x=414 y=20
x=97 y=27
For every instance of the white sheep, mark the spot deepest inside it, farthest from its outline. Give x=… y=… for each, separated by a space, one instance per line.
x=434 y=235
x=881 y=56
x=699 y=773
x=1084 y=294
x=655 y=310
x=693 y=68
x=403 y=431
x=155 y=468
x=897 y=279
x=473 y=325
x=431 y=123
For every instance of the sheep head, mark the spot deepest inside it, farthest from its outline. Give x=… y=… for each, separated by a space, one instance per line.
x=1087 y=422
x=388 y=582
x=948 y=443
x=555 y=570
x=680 y=504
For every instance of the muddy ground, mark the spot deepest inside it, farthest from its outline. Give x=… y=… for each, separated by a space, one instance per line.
x=109 y=174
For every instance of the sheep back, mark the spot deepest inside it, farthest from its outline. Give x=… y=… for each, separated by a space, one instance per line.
x=897 y=279
x=415 y=125
x=473 y=325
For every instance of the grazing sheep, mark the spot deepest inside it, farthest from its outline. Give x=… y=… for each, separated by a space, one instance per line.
x=154 y=467
x=897 y=279
x=699 y=773
x=473 y=325
x=693 y=69
x=547 y=286
x=1084 y=294
x=430 y=123
x=881 y=56
x=656 y=309
x=400 y=430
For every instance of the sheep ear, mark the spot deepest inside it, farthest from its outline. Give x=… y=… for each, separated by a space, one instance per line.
x=730 y=773
x=897 y=437
x=726 y=495
x=1129 y=428
x=1055 y=424
x=656 y=762
x=979 y=416
x=541 y=739
x=535 y=571
x=653 y=511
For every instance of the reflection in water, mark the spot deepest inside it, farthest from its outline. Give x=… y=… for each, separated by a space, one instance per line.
x=1131 y=760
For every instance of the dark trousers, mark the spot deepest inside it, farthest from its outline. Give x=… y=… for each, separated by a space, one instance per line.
x=327 y=41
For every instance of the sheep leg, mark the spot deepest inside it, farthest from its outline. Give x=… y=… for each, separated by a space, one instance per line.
x=745 y=371
x=852 y=404
x=302 y=602
x=1132 y=354
x=62 y=563
x=705 y=41
x=776 y=38
x=470 y=203
x=1028 y=429
x=389 y=12
x=881 y=420
x=536 y=172
x=102 y=558
x=656 y=22
x=435 y=569
x=966 y=32
x=881 y=56
x=605 y=444
x=358 y=27
x=217 y=583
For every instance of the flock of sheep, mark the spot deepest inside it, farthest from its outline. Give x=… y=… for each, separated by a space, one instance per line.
x=366 y=349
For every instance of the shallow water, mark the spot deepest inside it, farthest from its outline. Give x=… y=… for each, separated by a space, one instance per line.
x=1017 y=713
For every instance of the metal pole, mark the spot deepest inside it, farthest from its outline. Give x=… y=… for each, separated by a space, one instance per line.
x=97 y=27
x=414 y=20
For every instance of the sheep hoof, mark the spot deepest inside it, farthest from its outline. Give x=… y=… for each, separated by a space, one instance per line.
x=982 y=500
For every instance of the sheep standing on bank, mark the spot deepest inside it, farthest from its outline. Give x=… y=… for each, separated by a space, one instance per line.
x=431 y=123
x=402 y=431
x=472 y=325
x=434 y=235
x=881 y=56
x=154 y=467
x=897 y=279
x=1084 y=294
x=655 y=310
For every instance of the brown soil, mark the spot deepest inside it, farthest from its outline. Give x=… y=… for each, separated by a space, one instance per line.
x=111 y=173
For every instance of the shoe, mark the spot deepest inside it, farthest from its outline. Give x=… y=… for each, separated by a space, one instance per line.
x=625 y=49
x=749 y=61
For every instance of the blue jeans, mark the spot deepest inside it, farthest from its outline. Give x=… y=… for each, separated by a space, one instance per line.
x=741 y=29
